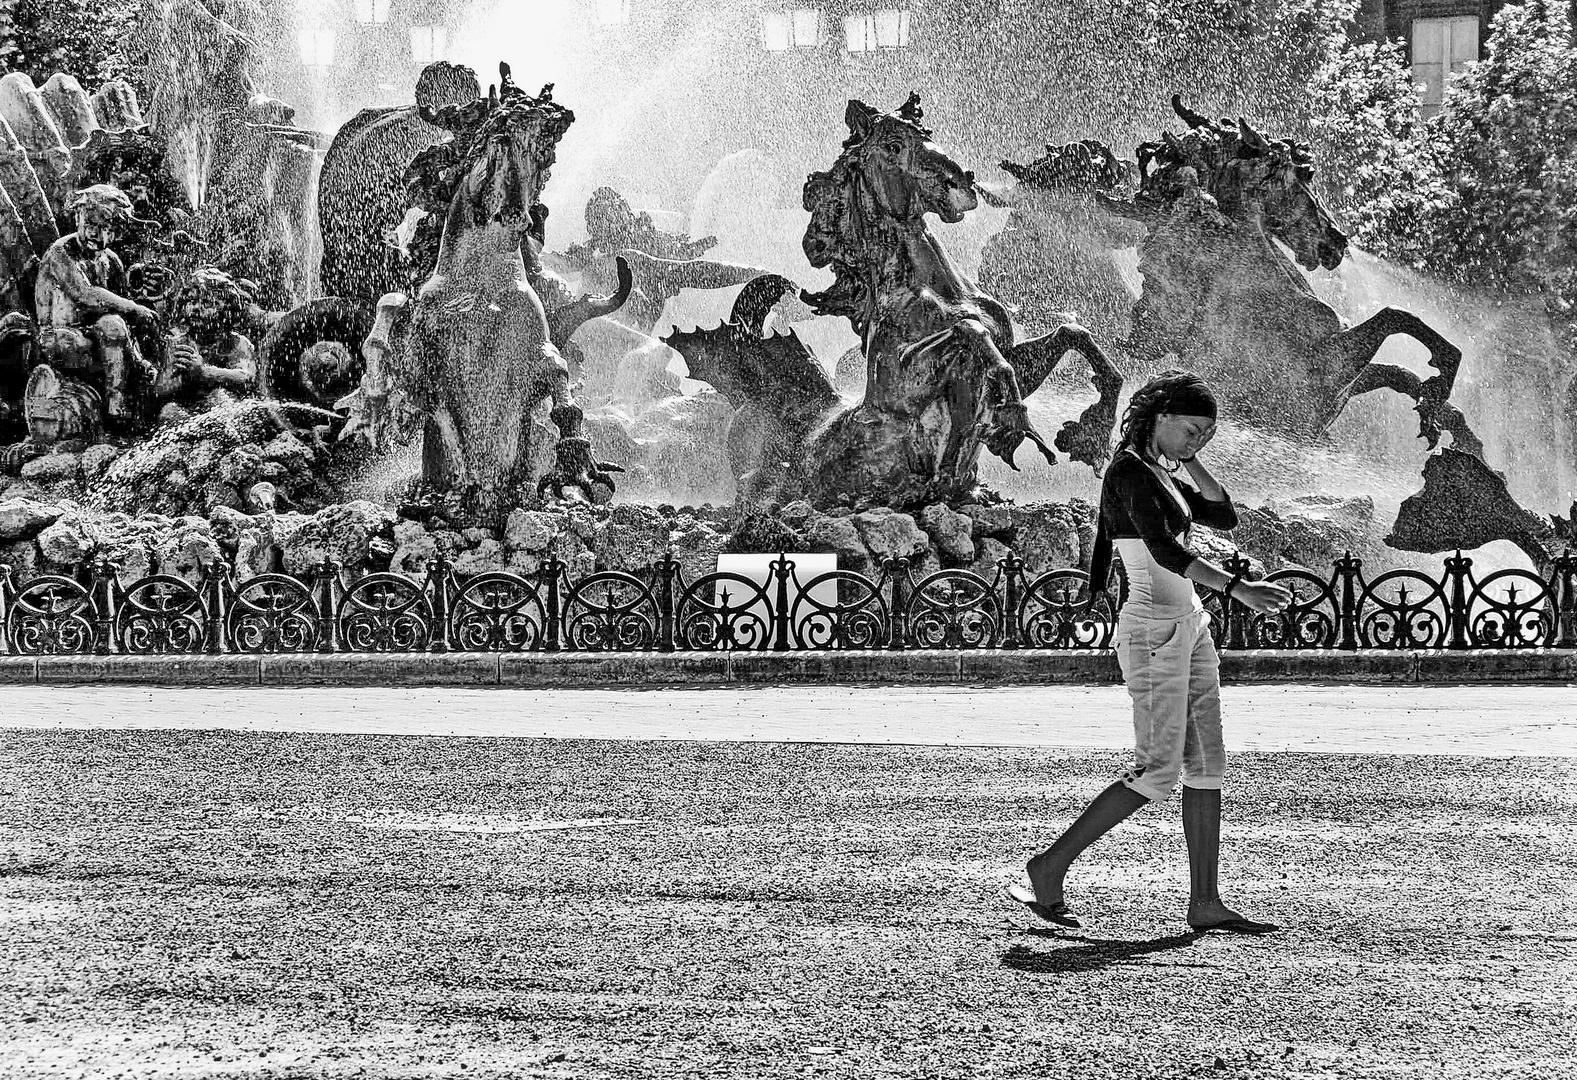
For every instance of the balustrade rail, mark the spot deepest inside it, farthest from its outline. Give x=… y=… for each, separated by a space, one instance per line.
x=94 y=612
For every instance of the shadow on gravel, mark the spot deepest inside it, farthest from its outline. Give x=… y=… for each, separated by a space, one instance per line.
x=1091 y=956
x=26 y=868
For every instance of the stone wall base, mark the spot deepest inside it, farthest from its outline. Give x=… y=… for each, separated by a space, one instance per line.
x=986 y=667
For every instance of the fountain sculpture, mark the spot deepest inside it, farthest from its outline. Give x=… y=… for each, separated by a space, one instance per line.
x=1464 y=505
x=84 y=316
x=1059 y=244
x=361 y=190
x=212 y=366
x=473 y=352
x=1217 y=288
x=944 y=377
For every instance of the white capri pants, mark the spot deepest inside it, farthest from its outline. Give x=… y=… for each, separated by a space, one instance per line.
x=1174 y=677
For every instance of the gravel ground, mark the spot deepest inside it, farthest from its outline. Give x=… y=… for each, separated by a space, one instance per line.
x=224 y=904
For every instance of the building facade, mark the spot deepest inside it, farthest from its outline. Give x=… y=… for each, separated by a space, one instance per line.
x=1441 y=36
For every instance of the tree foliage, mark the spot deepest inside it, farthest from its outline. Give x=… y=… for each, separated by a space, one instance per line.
x=1484 y=191
x=1502 y=200
x=84 y=38
x=1365 y=127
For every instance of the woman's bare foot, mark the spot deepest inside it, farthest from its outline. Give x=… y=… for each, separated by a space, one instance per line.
x=1045 y=877
x=1214 y=915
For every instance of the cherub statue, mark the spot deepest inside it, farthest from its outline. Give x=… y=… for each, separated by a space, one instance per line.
x=327 y=371
x=85 y=319
x=208 y=360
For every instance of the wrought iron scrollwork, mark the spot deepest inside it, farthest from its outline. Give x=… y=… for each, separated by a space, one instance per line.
x=953 y=609
x=384 y=613
x=1058 y=613
x=1394 y=616
x=1521 y=619
x=272 y=613
x=723 y=611
x=1220 y=613
x=611 y=611
x=857 y=619
x=50 y=616
x=1311 y=621
x=160 y=615
x=498 y=612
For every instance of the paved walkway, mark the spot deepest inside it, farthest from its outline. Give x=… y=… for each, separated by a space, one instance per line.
x=1492 y=721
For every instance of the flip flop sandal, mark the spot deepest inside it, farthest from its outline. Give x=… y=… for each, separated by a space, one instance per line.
x=1239 y=926
x=1057 y=913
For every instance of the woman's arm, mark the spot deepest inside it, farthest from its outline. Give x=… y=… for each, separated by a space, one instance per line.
x=1148 y=506
x=1210 y=504
x=1207 y=574
x=1266 y=597
x=1142 y=498
x=1208 y=485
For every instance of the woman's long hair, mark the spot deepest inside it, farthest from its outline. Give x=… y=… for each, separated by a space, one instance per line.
x=1150 y=401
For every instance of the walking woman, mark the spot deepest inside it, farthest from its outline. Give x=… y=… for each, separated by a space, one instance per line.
x=1163 y=643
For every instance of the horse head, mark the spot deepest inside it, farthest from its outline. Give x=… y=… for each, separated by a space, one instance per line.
x=1076 y=189
x=1276 y=176
x=907 y=175
x=1248 y=176
x=889 y=171
x=1080 y=167
x=503 y=148
x=826 y=236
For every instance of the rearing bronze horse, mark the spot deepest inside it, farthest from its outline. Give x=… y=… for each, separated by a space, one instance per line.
x=472 y=354
x=1221 y=296
x=944 y=377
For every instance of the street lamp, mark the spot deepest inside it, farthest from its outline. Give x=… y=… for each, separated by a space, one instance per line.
x=613 y=12
x=371 y=12
x=316 y=43
x=428 y=43
x=795 y=28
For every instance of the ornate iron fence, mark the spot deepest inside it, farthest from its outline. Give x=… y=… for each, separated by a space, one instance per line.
x=609 y=611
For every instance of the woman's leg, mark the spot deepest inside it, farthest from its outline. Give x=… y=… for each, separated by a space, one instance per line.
x=1204 y=763
x=1154 y=657
x=1100 y=817
x=1202 y=829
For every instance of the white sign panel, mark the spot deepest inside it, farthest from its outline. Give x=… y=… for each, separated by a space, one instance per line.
x=757 y=567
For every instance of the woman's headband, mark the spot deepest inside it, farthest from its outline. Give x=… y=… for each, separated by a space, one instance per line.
x=1190 y=399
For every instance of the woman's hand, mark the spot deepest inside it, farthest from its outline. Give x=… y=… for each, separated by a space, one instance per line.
x=1265 y=597
x=1199 y=445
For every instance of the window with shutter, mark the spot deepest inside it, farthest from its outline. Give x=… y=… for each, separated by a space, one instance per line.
x=1441 y=48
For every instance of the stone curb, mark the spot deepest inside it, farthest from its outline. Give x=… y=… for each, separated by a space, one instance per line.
x=982 y=667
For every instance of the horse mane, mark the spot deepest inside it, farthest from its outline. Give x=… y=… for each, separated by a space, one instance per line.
x=1077 y=167
x=1213 y=150
x=1206 y=247
x=849 y=295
